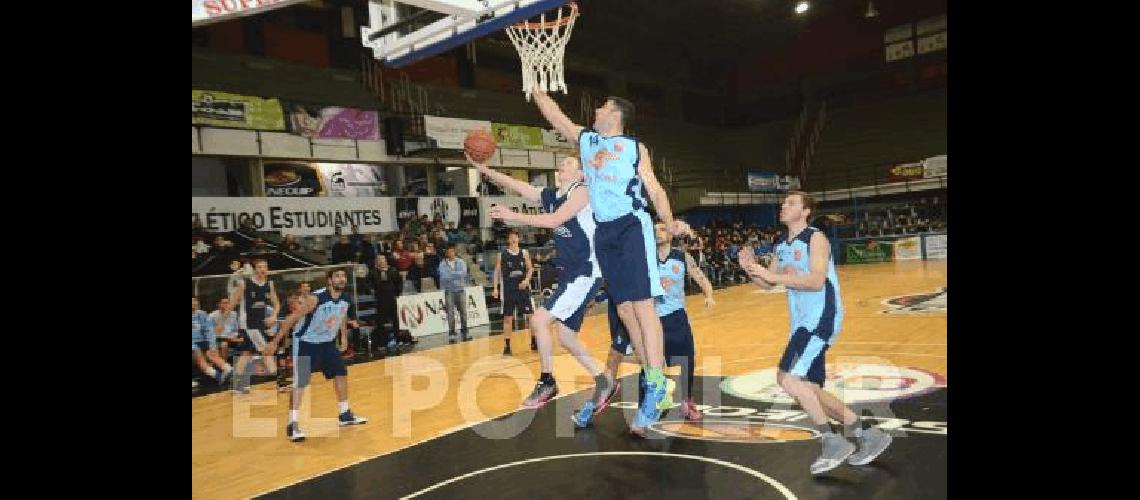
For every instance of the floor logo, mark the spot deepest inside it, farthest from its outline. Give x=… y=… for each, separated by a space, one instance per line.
x=919 y=303
x=735 y=431
x=852 y=383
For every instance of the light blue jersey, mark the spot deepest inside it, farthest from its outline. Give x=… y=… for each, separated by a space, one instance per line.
x=323 y=324
x=672 y=271
x=610 y=167
x=201 y=329
x=820 y=312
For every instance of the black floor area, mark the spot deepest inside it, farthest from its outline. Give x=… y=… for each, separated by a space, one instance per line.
x=749 y=450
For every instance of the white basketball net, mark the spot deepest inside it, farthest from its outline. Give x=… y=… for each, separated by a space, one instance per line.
x=541 y=46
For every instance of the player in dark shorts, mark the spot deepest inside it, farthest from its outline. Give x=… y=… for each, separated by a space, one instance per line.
x=513 y=270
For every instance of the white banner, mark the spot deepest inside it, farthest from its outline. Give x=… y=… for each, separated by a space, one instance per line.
x=444 y=207
x=935 y=246
x=934 y=166
x=932 y=43
x=514 y=158
x=300 y=216
x=901 y=50
x=209 y=11
x=426 y=314
x=516 y=203
x=450 y=132
x=350 y=180
x=908 y=248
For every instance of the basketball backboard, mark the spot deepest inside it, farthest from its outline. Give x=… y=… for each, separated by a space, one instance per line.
x=402 y=32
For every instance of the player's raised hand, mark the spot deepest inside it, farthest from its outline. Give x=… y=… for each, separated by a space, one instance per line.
x=681 y=228
x=480 y=166
x=501 y=212
x=709 y=302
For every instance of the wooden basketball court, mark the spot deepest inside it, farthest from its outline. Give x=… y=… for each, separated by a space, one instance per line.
x=422 y=400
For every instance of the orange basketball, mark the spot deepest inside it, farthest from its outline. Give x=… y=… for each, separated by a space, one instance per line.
x=479 y=145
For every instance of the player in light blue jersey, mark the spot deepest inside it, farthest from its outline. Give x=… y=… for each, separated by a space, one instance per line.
x=673 y=265
x=617 y=169
x=204 y=346
x=569 y=215
x=803 y=264
x=316 y=347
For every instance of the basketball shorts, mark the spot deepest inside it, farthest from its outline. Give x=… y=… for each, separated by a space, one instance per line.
x=626 y=250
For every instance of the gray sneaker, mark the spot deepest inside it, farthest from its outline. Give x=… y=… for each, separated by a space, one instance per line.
x=541 y=394
x=836 y=449
x=871 y=445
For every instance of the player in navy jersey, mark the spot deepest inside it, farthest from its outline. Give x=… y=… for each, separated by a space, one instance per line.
x=513 y=269
x=617 y=169
x=568 y=213
x=803 y=264
x=252 y=296
x=317 y=345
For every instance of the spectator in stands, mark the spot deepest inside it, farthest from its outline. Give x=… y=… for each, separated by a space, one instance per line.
x=225 y=326
x=453 y=235
x=431 y=263
x=387 y=285
x=223 y=246
x=204 y=349
x=454 y=278
x=403 y=257
x=341 y=250
x=417 y=273
x=200 y=247
x=356 y=241
x=291 y=244
x=439 y=238
x=370 y=248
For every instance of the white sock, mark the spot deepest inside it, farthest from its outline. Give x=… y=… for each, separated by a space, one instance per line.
x=227 y=368
x=211 y=371
x=293 y=416
x=343 y=406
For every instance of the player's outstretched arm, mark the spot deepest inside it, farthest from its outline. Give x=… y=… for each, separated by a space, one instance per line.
x=656 y=193
x=575 y=202
x=505 y=181
x=555 y=116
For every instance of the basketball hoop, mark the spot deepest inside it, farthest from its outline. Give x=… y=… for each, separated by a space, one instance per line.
x=541 y=46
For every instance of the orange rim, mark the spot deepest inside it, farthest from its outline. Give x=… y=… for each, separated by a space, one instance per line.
x=567 y=19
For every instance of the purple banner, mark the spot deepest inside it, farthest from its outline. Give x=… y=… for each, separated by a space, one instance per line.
x=332 y=122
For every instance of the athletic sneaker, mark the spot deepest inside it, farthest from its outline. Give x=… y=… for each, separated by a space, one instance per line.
x=836 y=449
x=533 y=343
x=658 y=397
x=690 y=411
x=195 y=383
x=601 y=406
x=293 y=432
x=347 y=418
x=584 y=415
x=542 y=393
x=872 y=442
x=223 y=375
x=507 y=350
